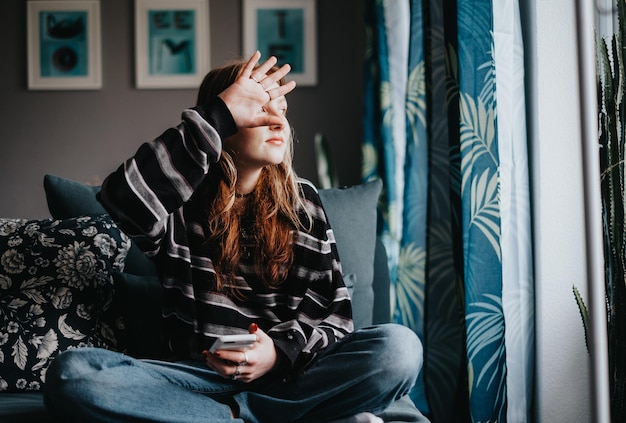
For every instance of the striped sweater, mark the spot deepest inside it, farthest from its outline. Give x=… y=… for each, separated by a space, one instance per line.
x=157 y=198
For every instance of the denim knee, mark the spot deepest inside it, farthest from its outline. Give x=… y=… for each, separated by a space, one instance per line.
x=75 y=363
x=60 y=371
x=400 y=353
x=80 y=364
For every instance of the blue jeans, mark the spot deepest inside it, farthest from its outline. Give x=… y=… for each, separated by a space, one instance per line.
x=365 y=371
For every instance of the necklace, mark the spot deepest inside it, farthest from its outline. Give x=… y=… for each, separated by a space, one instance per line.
x=248 y=194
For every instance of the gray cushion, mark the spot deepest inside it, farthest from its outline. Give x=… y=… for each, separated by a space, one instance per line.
x=403 y=411
x=381 y=285
x=352 y=215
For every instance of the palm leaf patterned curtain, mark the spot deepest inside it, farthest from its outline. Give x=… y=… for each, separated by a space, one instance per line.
x=444 y=127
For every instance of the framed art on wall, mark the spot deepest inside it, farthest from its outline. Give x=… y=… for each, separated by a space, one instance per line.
x=171 y=43
x=63 y=40
x=285 y=29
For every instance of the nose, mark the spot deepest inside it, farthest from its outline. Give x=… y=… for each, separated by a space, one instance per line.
x=278 y=123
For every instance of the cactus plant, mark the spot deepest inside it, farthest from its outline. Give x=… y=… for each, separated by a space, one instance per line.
x=611 y=61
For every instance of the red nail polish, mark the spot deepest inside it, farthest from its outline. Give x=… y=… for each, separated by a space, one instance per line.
x=253 y=327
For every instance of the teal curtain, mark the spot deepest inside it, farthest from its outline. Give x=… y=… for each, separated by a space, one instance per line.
x=444 y=128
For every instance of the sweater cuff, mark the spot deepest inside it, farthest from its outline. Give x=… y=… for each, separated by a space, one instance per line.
x=216 y=113
x=289 y=347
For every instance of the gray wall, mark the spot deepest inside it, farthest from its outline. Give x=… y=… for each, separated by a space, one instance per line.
x=84 y=135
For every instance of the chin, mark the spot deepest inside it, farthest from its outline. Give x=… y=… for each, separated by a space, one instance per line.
x=276 y=157
x=275 y=162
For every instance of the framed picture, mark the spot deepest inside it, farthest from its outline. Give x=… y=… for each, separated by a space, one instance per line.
x=63 y=39
x=171 y=43
x=285 y=29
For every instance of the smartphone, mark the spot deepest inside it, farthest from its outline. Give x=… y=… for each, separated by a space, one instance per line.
x=234 y=342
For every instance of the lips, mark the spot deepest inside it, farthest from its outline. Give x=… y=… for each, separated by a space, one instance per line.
x=277 y=141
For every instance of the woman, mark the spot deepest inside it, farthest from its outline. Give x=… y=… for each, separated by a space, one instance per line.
x=241 y=245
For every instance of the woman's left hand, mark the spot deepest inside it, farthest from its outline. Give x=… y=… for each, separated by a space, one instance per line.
x=245 y=365
x=254 y=88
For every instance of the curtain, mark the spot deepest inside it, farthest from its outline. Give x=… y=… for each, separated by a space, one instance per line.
x=444 y=128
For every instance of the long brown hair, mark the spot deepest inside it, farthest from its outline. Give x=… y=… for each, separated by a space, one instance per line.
x=276 y=203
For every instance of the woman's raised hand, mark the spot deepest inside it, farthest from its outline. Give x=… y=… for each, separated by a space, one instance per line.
x=254 y=88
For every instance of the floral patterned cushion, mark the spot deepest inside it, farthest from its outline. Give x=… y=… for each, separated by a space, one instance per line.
x=56 y=292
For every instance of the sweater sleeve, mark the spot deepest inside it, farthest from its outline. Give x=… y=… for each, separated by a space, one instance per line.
x=164 y=173
x=319 y=298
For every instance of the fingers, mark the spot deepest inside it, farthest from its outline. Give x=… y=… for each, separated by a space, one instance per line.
x=262 y=70
x=244 y=365
x=235 y=357
x=234 y=365
x=241 y=371
x=282 y=90
x=259 y=73
x=266 y=80
x=252 y=61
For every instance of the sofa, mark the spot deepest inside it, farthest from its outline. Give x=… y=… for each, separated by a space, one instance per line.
x=76 y=280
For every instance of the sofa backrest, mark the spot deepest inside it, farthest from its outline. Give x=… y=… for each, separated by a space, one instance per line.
x=352 y=212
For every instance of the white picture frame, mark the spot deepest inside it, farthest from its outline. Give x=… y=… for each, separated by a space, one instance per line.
x=64 y=45
x=172 y=48
x=286 y=29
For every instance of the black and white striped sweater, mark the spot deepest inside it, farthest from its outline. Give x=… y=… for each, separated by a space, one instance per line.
x=156 y=198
